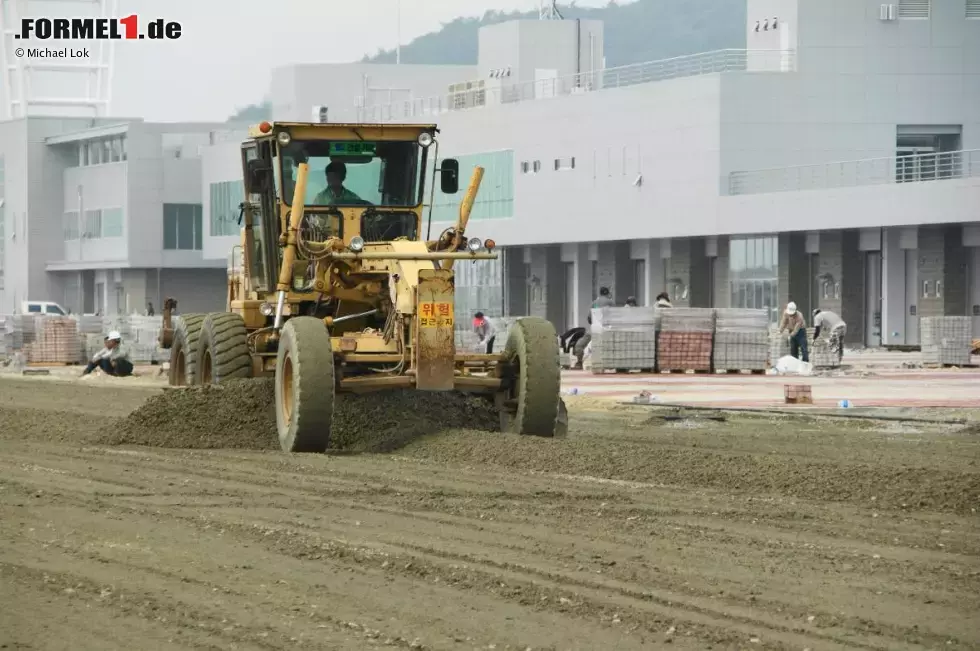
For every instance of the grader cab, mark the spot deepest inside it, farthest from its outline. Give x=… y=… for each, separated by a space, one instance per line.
x=340 y=290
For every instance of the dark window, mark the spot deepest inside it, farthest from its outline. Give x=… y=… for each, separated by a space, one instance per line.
x=182 y=226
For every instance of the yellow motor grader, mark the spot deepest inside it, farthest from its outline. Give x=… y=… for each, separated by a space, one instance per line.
x=338 y=290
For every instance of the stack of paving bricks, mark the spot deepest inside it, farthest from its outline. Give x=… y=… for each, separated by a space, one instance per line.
x=819 y=353
x=55 y=341
x=17 y=332
x=946 y=340
x=685 y=339
x=468 y=342
x=624 y=338
x=741 y=340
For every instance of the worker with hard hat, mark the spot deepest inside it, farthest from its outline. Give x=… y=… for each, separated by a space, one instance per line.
x=793 y=323
x=829 y=322
x=112 y=359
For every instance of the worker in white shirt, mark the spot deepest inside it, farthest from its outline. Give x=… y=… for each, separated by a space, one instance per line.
x=113 y=359
x=831 y=323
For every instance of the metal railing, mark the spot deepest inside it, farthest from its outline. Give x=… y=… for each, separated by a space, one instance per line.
x=913 y=168
x=482 y=93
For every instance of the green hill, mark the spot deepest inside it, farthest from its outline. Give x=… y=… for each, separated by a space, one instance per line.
x=644 y=30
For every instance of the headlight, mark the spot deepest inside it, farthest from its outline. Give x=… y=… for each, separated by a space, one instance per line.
x=356 y=244
x=284 y=138
x=266 y=309
x=474 y=244
x=425 y=139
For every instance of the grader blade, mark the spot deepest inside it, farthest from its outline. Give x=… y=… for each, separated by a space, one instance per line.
x=435 y=341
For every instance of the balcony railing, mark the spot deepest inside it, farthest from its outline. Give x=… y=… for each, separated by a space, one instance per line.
x=485 y=93
x=869 y=171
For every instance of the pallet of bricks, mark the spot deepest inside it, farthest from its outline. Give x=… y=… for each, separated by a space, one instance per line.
x=946 y=340
x=741 y=341
x=624 y=339
x=818 y=352
x=685 y=339
x=55 y=342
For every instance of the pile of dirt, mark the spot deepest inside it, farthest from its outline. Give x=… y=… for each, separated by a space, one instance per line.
x=241 y=415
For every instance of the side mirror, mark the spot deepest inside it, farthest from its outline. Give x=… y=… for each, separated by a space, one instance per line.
x=259 y=175
x=449 y=176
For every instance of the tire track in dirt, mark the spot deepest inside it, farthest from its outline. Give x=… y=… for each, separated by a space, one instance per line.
x=314 y=498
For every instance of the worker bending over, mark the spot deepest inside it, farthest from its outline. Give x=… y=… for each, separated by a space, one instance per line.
x=604 y=299
x=793 y=323
x=485 y=331
x=832 y=323
x=663 y=300
x=112 y=359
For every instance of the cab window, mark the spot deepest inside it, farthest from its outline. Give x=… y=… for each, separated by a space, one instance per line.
x=34 y=308
x=53 y=309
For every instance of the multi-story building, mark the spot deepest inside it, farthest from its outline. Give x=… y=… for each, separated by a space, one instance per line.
x=104 y=215
x=835 y=162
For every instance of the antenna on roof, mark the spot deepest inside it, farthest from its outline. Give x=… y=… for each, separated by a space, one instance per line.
x=548 y=10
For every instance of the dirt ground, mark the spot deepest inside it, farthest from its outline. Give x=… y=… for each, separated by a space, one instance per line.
x=635 y=532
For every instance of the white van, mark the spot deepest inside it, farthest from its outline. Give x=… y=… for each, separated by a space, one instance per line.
x=42 y=307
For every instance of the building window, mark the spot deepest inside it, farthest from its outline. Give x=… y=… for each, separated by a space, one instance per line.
x=182 y=226
x=913 y=8
x=112 y=222
x=525 y=167
x=753 y=271
x=537 y=166
x=225 y=200
x=564 y=164
x=973 y=9
x=71 y=225
x=92 y=228
x=98 y=151
x=496 y=197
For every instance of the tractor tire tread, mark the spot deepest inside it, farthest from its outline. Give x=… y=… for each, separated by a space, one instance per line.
x=533 y=343
x=306 y=342
x=187 y=333
x=227 y=337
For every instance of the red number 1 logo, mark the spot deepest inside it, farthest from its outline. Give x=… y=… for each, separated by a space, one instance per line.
x=129 y=22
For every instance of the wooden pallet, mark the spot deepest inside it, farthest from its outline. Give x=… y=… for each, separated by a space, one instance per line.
x=951 y=366
x=679 y=371
x=623 y=371
x=40 y=364
x=741 y=371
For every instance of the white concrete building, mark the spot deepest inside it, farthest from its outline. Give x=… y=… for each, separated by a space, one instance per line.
x=104 y=215
x=835 y=162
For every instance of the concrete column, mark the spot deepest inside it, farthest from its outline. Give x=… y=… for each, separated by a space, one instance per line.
x=583 y=284
x=932 y=246
x=699 y=273
x=955 y=273
x=853 y=298
x=794 y=279
x=515 y=281
x=657 y=269
x=679 y=272
x=722 y=290
x=616 y=269
x=893 y=306
x=547 y=283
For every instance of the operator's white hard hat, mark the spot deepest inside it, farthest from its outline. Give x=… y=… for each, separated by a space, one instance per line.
x=114 y=336
x=791 y=308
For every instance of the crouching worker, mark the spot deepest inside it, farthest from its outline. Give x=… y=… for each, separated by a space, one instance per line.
x=112 y=359
x=827 y=321
x=485 y=331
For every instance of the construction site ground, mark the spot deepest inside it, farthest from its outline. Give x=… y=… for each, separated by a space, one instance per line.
x=137 y=518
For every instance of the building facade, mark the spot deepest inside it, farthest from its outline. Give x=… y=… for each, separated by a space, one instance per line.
x=834 y=162
x=104 y=215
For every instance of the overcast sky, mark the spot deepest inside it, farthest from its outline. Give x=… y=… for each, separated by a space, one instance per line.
x=225 y=56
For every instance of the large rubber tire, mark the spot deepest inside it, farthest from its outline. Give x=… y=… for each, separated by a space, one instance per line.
x=183 y=350
x=304 y=386
x=533 y=370
x=222 y=351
